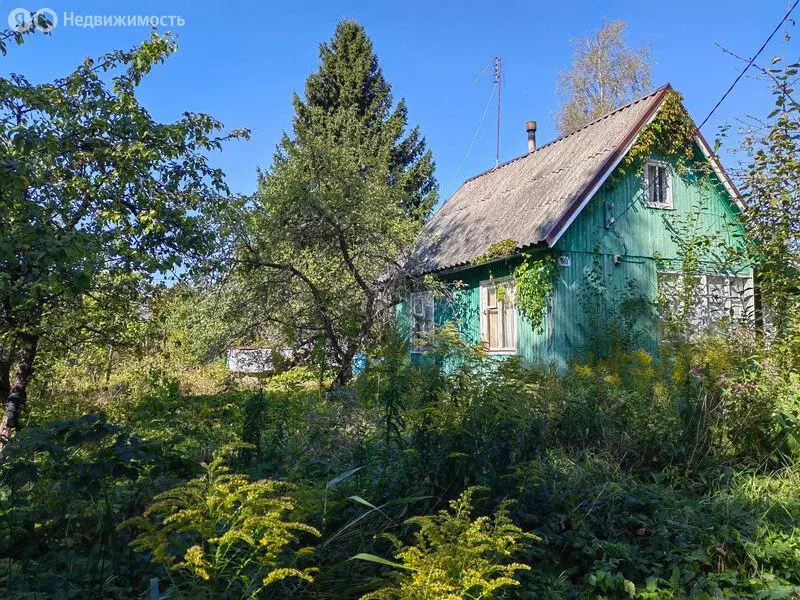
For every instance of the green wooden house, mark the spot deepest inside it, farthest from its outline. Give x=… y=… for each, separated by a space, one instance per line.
x=606 y=209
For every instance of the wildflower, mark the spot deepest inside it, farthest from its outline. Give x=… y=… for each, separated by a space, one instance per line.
x=196 y=561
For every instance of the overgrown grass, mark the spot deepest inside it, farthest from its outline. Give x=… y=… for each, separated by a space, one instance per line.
x=639 y=478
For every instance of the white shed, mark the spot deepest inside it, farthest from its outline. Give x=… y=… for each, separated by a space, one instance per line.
x=254 y=360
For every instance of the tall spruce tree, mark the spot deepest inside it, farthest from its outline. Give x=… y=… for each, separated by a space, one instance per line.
x=348 y=101
x=318 y=253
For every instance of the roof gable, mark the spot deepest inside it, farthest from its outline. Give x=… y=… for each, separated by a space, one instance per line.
x=534 y=198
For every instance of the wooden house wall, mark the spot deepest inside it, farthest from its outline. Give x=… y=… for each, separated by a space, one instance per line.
x=580 y=313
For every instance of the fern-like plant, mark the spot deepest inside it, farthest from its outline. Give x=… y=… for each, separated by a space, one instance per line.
x=455 y=557
x=222 y=535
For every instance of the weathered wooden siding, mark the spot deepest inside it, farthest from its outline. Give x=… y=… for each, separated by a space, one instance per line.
x=532 y=343
x=637 y=235
x=640 y=231
x=581 y=311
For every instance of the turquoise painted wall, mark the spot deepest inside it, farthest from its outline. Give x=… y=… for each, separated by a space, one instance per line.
x=534 y=344
x=596 y=300
x=585 y=313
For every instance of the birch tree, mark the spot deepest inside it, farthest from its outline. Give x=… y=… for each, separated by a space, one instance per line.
x=605 y=74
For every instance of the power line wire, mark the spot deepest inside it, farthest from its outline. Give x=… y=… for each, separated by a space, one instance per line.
x=646 y=191
x=474 y=137
x=750 y=63
x=489 y=64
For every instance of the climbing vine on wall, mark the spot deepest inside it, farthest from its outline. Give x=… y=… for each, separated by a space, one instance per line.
x=535 y=281
x=669 y=134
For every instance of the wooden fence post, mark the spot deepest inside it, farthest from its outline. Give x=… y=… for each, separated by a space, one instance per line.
x=154 y=594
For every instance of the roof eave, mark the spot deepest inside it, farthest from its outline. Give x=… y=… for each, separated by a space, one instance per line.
x=471 y=264
x=591 y=187
x=719 y=170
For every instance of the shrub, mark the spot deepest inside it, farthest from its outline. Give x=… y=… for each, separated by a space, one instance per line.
x=188 y=429
x=63 y=489
x=455 y=557
x=222 y=535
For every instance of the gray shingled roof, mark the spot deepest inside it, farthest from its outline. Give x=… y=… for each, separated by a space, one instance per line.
x=530 y=198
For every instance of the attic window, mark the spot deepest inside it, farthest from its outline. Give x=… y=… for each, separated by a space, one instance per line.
x=658 y=184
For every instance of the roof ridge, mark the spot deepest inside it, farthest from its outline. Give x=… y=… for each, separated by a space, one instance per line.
x=566 y=135
x=611 y=112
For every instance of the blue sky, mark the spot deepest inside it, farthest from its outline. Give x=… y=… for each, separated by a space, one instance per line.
x=241 y=60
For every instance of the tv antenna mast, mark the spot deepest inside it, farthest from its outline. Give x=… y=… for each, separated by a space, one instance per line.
x=498 y=80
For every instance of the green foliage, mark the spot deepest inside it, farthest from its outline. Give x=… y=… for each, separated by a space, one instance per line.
x=669 y=134
x=663 y=538
x=456 y=557
x=318 y=253
x=621 y=317
x=253 y=424
x=698 y=251
x=534 y=281
x=63 y=490
x=499 y=249
x=771 y=191
x=389 y=382
x=187 y=428
x=42 y=23
x=605 y=74
x=623 y=476
x=98 y=201
x=349 y=101
x=674 y=478
x=751 y=404
x=222 y=535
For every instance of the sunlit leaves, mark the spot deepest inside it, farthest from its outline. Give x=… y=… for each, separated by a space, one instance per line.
x=772 y=190
x=94 y=191
x=454 y=556
x=222 y=531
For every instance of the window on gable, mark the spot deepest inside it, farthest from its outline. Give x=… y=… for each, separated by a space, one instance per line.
x=498 y=316
x=658 y=184
x=421 y=320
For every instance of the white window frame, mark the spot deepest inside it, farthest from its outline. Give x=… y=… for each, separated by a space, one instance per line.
x=508 y=284
x=702 y=306
x=658 y=164
x=418 y=342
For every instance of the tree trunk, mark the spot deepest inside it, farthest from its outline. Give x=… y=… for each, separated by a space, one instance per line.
x=345 y=373
x=18 y=392
x=5 y=373
x=110 y=364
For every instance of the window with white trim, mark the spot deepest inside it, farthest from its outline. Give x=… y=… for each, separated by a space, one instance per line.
x=498 y=316
x=421 y=320
x=658 y=184
x=715 y=298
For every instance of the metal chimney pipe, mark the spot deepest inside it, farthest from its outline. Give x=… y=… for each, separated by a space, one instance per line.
x=530 y=127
